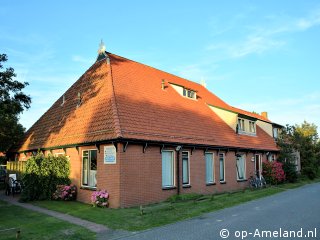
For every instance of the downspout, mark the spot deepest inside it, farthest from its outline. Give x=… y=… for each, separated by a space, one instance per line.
x=178 y=148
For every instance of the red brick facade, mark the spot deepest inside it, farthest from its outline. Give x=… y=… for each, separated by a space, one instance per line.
x=136 y=178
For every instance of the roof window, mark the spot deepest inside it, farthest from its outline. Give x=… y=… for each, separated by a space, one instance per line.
x=189 y=93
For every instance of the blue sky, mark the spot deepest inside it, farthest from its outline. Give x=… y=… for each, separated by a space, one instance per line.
x=255 y=55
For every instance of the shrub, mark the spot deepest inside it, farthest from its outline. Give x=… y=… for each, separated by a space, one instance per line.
x=310 y=172
x=100 y=198
x=65 y=192
x=42 y=176
x=290 y=171
x=273 y=172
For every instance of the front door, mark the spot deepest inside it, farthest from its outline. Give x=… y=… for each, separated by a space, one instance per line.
x=258 y=165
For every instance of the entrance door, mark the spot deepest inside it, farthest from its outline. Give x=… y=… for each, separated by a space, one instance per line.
x=258 y=165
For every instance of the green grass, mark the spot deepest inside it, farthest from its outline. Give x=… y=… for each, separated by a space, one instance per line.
x=34 y=225
x=175 y=209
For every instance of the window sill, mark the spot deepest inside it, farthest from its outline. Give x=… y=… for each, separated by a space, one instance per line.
x=242 y=180
x=88 y=188
x=186 y=186
x=210 y=184
x=252 y=134
x=169 y=188
x=223 y=182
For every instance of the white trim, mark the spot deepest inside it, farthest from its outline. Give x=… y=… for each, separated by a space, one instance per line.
x=260 y=163
x=81 y=174
x=186 y=184
x=224 y=167
x=174 y=168
x=213 y=168
x=245 y=167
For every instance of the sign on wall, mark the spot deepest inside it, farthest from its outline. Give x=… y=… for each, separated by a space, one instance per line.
x=110 y=154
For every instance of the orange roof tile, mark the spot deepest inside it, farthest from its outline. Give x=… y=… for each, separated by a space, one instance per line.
x=124 y=99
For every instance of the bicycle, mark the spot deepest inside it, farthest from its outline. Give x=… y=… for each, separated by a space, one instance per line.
x=257 y=182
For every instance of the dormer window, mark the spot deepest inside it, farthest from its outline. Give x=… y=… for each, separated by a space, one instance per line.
x=275 y=133
x=188 y=93
x=247 y=127
x=241 y=126
x=252 y=126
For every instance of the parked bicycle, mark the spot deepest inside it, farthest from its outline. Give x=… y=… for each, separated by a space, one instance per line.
x=257 y=182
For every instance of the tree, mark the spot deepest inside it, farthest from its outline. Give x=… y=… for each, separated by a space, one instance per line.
x=12 y=102
x=287 y=147
x=308 y=130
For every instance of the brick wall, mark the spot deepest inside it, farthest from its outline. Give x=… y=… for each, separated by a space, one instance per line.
x=136 y=178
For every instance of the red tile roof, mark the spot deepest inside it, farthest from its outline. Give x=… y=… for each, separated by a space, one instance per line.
x=124 y=99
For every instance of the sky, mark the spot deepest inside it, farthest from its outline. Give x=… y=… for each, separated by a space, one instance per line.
x=255 y=55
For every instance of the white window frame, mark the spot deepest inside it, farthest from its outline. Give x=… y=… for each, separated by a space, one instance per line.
x=188 y=93
x=212 y=170
x=241 y=125
x=186 y=184
x=173 y=169
x=252 y=126
x=244 y=167
x=275 y=133
x=89 y=163
x=260 y=163
x=224 y=167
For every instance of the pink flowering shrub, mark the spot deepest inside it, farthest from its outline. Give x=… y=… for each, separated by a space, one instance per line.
x=100 y=198
x=273 y=172
x=65 y=192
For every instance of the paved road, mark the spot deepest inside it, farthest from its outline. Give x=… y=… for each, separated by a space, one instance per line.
x=290 y=210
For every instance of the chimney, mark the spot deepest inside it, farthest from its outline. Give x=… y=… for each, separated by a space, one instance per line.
x=162 y=84
x=264 y=114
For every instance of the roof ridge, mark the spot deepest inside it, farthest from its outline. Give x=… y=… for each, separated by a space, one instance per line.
x=156 y=69
x=114 y=105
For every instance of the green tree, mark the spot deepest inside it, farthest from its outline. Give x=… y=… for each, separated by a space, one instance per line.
x=12 y=102
x=286 y=143
x=306 y=140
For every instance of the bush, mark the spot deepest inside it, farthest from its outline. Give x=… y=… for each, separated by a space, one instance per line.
x=273 y=172
x=184 y=197
x=3 y=160
x=100 y=198
x=310 y=172
x=65 y=193
x=290 y=172
x=42 y=176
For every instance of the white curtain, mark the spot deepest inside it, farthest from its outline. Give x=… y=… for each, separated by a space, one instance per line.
x=185 y=171
x=209 y=168
x=241 y=167
x=167 y=169
x=221 y=159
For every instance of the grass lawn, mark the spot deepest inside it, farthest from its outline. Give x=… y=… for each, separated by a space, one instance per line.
x=179 y=208
x=34 y=225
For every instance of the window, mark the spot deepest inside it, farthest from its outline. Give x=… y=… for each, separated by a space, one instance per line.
x=241 y=124
x=271 y=157
x=185 y=168
x=89 y=168
x=241 y=166
x=252 y=126
x=275 y=132
x=221 y=161
x=167 y=169
x=188 y=93
x=209 y=168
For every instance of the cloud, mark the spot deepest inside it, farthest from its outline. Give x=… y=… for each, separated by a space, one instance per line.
x=290 y=110
x=308 y=22
x=267 y=36
x=80 y=59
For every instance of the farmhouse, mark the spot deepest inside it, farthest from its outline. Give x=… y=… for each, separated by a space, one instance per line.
x=144 y=134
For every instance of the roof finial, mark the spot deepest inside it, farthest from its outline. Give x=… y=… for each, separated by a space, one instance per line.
x=203 y=82
x=102 y=47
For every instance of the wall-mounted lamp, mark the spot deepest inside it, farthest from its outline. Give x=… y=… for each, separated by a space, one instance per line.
x=178 y=148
